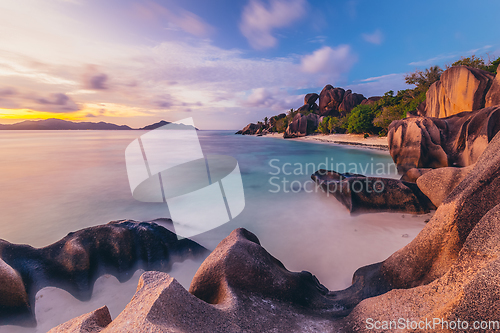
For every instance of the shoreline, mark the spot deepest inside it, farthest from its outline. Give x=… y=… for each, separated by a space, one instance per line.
x=352 y=140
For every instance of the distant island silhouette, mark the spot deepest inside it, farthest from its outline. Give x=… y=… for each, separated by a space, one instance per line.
x=59 y=124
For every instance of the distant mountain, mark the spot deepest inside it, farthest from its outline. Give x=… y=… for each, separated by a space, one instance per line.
x=163 y=123
x=58 y=124
x=155 y=125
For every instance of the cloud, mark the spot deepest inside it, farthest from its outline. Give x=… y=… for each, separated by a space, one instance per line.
x=164 y=104
x=55 y=99
x=4 y=92
x=258 y=20
x=11 y=98
x=375 y=38
x=98 y=81
x=329 y=63
x=176 y=17
x=159 y=79
x=57 y=102
x=272 y=98
x=433 y=60
x=437 y=59
x=318 y=39
x=93 y=79
x=377 y=86
x=260 y=97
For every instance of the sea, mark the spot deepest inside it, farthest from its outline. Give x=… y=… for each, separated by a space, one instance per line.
x=56 y=182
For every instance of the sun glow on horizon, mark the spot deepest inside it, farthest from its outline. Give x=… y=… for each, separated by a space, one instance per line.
x=89 y=112
x=10 y=116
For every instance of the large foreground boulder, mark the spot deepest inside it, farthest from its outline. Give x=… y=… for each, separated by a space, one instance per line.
x=450 y=270
x=76 y=261
x=460 y=88
x=437 y=184
x=458 y=140
x=239 y=288
x=94 y=321
x=14 y=299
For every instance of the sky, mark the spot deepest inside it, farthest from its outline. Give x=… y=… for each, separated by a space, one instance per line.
x=223 y=63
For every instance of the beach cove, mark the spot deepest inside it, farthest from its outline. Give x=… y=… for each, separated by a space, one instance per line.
x=306 y=231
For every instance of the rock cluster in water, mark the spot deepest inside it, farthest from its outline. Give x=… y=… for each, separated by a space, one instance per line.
x=336 y=102
x=361 y=194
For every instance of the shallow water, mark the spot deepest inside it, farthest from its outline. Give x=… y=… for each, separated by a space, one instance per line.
x=55 y=182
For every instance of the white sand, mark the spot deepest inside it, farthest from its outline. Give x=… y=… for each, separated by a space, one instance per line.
x=373 y=141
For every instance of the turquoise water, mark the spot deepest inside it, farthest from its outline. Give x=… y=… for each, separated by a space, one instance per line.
x=55 y=182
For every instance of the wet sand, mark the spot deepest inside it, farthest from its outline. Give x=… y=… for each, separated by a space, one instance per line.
x=357 y=140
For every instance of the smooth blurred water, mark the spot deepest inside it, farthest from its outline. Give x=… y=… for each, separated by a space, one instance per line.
x=55 y=182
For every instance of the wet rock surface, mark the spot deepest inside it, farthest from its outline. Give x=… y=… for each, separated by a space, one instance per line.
x=76 y=261
x=239 y=288
x=360 y=194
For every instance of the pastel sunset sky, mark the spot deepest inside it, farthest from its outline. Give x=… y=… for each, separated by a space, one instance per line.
x=224 y=63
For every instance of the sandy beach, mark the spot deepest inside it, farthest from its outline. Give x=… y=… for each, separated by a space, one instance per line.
x=371 y=142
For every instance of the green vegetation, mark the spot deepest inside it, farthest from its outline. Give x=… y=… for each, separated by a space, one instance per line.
x=397 y=107
x=281 y=125
x=423 y=79
x=477 y=62
x=375 y=118
x=333 y=125
x=361 y=119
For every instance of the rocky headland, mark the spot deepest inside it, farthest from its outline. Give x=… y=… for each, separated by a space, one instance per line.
x=335 y=102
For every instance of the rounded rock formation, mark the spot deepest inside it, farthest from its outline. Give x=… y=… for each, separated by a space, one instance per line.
x=350 y=101
x=330 y=99
x=311 y=98
x=458 y=140
x=460 y=88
